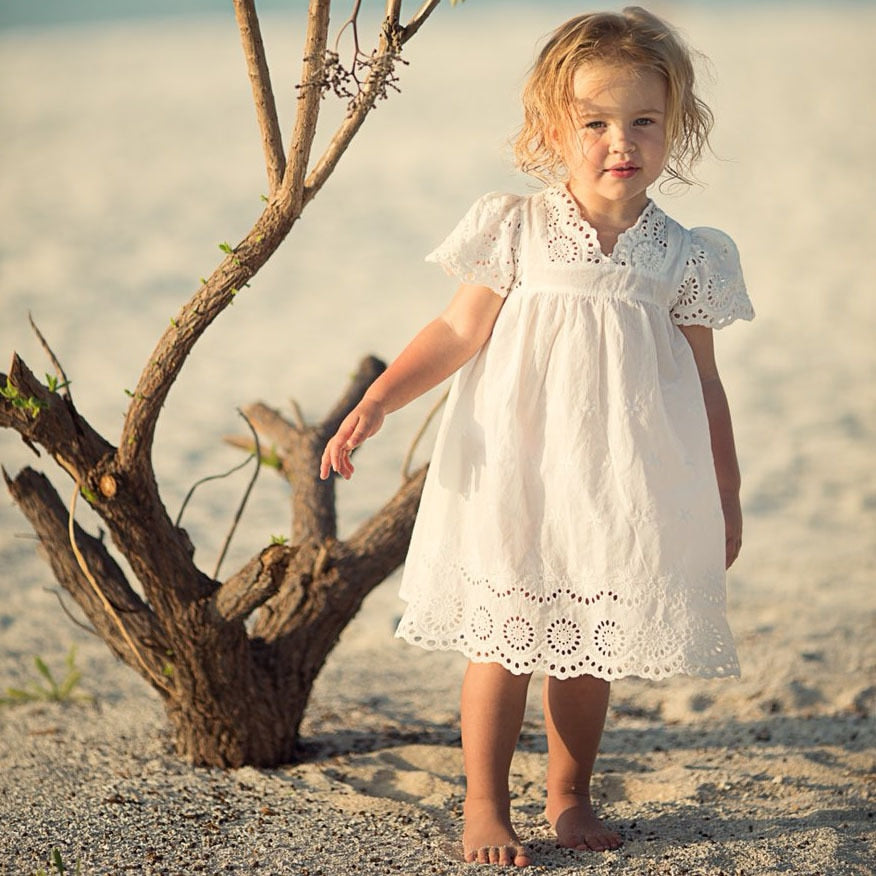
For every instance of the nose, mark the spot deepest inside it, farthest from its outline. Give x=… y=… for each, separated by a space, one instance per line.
x=621 y=140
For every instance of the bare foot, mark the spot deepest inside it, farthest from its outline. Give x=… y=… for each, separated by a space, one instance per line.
x=488 y=837
x=577 y=827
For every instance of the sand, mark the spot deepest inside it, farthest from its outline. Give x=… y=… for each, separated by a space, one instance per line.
x=128 y=157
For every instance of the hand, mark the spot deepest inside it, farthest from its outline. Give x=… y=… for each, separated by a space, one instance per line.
x=732 y=526
x=361 y=423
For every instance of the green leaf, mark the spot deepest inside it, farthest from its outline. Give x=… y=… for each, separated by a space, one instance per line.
x=55 y=384
x=58 y=862
x=67 y=685
x=44 y=670
x=226 y=247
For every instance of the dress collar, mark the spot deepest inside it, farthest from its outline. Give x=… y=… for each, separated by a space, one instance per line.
x=647 y=232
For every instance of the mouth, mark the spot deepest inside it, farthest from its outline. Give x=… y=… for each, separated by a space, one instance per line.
x=622 y=170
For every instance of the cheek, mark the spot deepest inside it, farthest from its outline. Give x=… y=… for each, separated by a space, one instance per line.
x=583 y=143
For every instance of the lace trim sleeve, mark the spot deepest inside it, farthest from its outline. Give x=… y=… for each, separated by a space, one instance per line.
x=482 y=249
x=712 y=291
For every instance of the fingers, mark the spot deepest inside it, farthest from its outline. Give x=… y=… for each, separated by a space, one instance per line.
x=336 y=456
x=359 y=425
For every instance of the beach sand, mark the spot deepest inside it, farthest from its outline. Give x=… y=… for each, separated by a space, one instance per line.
x=129 y=156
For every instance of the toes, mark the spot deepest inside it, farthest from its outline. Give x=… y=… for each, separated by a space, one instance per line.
x=504 y=856
x=607 y=842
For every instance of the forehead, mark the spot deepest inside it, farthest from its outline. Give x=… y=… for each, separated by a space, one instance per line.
x=601 y=87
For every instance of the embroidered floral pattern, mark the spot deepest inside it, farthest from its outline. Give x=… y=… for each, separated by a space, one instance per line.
x=712 y=291
x=482 y=249
x=594 y=629
x=563 y=637
x=571 y=239
x=518 y=633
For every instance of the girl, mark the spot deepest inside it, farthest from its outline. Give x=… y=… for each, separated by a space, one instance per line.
x=583 y=499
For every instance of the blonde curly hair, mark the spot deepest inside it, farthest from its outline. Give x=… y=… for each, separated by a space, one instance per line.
x=632 y=38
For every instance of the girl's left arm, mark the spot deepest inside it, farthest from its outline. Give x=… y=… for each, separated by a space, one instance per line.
x=721 y=432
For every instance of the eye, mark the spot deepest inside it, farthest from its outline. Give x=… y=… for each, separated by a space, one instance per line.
x=594 y=126
x=643 y=122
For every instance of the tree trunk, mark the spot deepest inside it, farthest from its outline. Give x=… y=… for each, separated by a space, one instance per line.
x=233 y=697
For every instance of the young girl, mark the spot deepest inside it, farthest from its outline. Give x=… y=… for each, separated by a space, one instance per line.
x=583 y=499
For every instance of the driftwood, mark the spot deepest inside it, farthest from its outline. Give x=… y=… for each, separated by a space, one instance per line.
x=234 y=660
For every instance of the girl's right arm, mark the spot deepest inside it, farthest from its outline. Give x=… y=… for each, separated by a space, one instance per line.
x=438 y=350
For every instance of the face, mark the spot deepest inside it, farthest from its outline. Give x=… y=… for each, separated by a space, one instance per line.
x=614 y=145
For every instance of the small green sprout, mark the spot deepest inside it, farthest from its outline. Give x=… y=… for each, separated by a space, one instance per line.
x=279 y=539
x=271 y=458
x=88 y=494
x=55 y=384
x=52 y=691
x=59 y=865
x=30 y=405
x=226 y=247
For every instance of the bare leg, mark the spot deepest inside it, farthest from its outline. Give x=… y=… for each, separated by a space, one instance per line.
x=574 y=713
x=493 y=703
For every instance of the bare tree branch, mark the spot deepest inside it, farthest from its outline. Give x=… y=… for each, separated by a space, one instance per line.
x=64 y=388
x=217 y=477
x=44 y=509
x=262 y=92
x=381 y=543
x=310 y=93
x=243 y=261
x=392 y=11
x=107 y=603
x=45 y=418
x=254 y=584
x=392 y=39
x=419 y=18
x=239 y=513
x=299 y=451
x=240 y=265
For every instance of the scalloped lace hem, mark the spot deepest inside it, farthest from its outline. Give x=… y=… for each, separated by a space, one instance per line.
x=594 y=664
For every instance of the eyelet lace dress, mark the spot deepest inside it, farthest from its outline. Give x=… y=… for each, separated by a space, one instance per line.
x=570 y=522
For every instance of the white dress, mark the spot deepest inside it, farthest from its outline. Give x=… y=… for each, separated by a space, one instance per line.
x=570 y=521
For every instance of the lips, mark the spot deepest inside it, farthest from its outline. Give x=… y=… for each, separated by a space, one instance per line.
x=623 y=171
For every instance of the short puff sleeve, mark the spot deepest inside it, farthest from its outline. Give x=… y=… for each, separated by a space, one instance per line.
x=483 y=247
x=712 y=291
